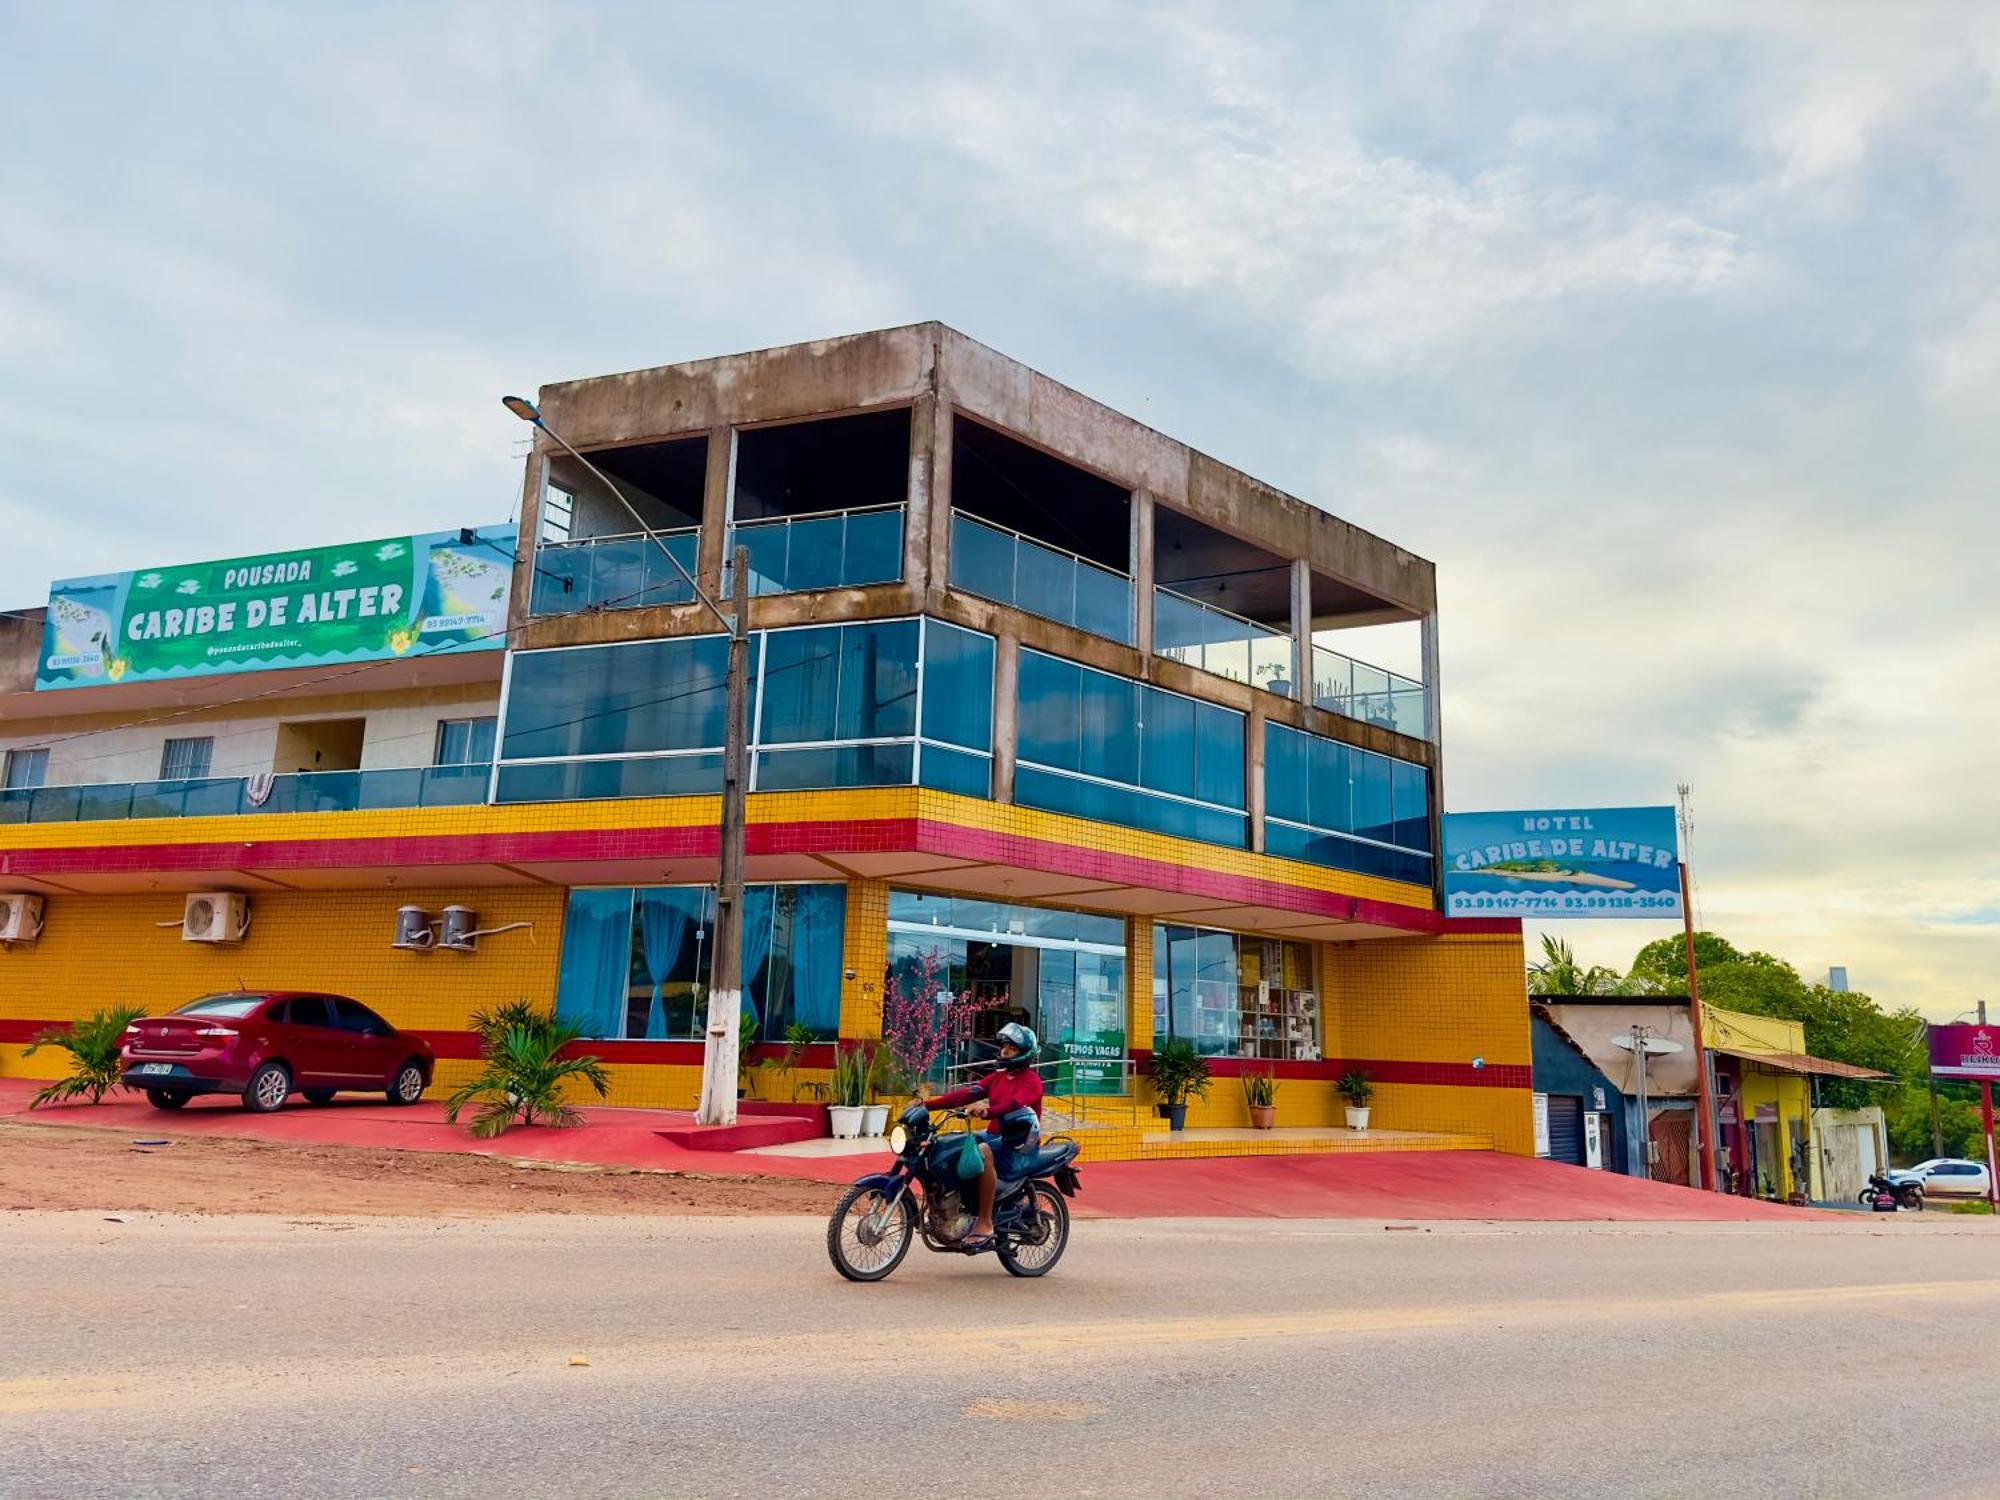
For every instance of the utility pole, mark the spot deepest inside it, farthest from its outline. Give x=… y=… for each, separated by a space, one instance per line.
x=725 y=974
x=1704 y=1102
x=1986 y=1119
x=1639 y=1036
x=1937 y=1126
x=725 y=985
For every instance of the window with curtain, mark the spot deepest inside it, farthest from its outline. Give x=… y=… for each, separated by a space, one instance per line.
x=187 y=760
x=1105 y=747
x=26 y=769
x=1344 y=807
x=464 y=742
x=635 y=962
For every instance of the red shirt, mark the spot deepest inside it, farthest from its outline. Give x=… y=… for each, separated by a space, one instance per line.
x=1000 y=1089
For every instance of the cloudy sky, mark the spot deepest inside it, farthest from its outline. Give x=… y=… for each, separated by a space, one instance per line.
x=1671 y=332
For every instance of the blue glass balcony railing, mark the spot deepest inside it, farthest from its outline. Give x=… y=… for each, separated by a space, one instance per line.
x=613 y=572
x=1370 y=694
x=226 y=796
x=1201 y=635
x=1009 y=568
x=832 y=550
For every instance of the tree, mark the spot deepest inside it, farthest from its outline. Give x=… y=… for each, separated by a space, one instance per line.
x=92 y=1046
x=1560 y=974
x=525 y=1072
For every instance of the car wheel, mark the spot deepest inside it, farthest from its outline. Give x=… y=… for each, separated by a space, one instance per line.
x=166 y=1098
x=265 y=1093
x=319 y=1096
x=408 y=1085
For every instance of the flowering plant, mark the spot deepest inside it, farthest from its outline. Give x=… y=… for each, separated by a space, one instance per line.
x=921 y=1017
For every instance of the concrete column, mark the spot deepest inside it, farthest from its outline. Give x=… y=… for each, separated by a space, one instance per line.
x=1006 y=714
x=522 y=592
x=1302 y=630
x=1253 y=775
x=1432 y=729
x=716 y=485
x=938 y=534
x=918 y=510
x=1141 y=568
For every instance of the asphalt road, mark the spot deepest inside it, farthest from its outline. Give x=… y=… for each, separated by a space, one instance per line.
x=251 y=1357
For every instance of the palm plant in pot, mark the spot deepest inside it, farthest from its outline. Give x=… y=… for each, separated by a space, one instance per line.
x=851 y=1067
x=1260 y=1092
x=1357 y=1091
x=1177 y=1073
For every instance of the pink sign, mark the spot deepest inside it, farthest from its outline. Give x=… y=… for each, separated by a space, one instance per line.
x=1970 y=1051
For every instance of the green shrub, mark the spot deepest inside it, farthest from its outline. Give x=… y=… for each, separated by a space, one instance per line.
x=524 y=1073
x=1177 y=1072
x=92 y=1046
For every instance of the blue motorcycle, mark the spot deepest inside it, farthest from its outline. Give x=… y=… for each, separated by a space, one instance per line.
x=925 y=1194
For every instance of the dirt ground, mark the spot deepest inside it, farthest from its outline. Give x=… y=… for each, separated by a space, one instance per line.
x=62 y=1167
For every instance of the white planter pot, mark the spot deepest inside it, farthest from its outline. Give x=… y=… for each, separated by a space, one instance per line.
x=874 y=1119
x=845 y=1120
x=1357 y=1119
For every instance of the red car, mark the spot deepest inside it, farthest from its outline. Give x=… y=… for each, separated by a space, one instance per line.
x=266 y=1046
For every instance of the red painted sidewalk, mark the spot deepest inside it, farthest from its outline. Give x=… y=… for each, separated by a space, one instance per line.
x=1428 y=1185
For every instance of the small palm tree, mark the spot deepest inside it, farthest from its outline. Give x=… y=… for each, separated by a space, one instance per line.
x=1560 y=974
x=524 y=1074
x=497 y=1022
x=93 y=1049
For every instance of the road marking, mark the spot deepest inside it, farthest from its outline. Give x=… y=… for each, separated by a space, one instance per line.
x=1334 y=1322
x=44 y=1395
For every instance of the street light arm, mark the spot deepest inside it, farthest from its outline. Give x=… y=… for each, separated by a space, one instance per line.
x=606 y=480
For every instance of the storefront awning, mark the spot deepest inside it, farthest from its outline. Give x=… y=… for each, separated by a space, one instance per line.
x=1800 y=1062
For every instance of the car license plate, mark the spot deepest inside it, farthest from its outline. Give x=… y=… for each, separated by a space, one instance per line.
x=156 y=1067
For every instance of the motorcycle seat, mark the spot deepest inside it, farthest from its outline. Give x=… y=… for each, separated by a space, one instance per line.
x=1045 y=1160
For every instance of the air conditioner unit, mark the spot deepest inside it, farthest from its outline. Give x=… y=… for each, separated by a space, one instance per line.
x=215 y=917
x=461 y=929
x=414 y=932
x=20 y=917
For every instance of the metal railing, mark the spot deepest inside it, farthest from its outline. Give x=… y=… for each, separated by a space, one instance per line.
x=825 y=550
x=1013 y=569
x=1375 y=696
x=228 y=796
x=1215 y=640
x=626 y=571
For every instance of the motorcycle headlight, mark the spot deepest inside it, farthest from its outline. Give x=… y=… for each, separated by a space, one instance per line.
x=899 y=1137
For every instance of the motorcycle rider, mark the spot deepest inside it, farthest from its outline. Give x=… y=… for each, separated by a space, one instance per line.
x=1013 y=1086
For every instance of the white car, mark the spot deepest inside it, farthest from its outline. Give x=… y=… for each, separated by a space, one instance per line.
x=1946 y=1177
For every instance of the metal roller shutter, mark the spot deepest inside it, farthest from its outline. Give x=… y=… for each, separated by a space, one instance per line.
x=1566 y=1129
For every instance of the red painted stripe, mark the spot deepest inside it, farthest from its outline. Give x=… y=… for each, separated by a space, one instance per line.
x=1379 y=1070
x=20 y=1033
x=465 y=1044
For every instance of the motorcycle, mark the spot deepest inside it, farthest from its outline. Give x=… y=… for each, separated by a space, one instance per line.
x=923 y=1195
x=1885 y=1196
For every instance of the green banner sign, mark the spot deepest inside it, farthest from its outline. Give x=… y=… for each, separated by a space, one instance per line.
x=365 y=601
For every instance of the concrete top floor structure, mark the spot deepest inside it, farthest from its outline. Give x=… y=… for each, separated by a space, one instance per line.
x=915 y=471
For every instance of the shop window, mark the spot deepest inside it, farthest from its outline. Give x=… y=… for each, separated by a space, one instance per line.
x=1235 y=996
x=635 y=962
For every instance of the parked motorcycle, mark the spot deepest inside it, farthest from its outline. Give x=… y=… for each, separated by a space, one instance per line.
x=1886 y=1196
x=924 y=1195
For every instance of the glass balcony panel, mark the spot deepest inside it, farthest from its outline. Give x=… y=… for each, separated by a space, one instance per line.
x=95 y=802
x=1271 y=662
x=217 y=799
x=833 y=765
x=453 y=786
x=957 y=771
x=561 y=580
x=982 y=560
x=618 y=572
x=817 y=555
x=1045 y=582
x=1178 y=626
x=663 y=582
x=874 y=547
x=1103 y=602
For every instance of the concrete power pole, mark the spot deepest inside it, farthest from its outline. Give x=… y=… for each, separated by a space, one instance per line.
x=725 y=985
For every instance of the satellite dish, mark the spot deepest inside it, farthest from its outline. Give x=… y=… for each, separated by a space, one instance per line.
x=1656 y=1046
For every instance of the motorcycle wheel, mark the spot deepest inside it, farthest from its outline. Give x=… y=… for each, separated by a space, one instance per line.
x=1914 y=1202
x=860 y=1252
x=1024 y=1257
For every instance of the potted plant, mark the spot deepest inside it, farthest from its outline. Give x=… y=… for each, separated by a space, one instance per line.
x=1178 y=1073
x=1357 y=1091
x=1260 y=1092
x=875 y=1113
x=850 y=1092
x=1280 y=682
x=798 y=1037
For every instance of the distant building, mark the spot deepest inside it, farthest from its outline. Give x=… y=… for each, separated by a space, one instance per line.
x=1836 y=979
